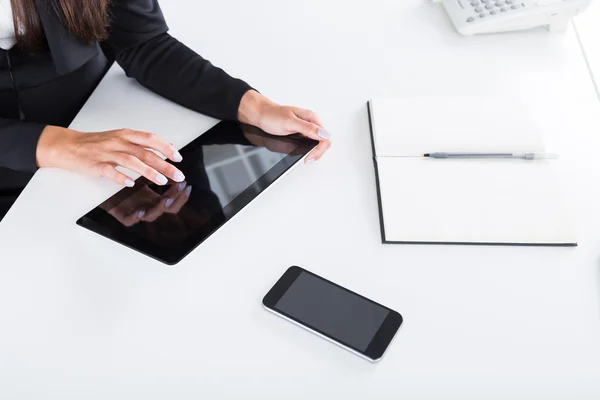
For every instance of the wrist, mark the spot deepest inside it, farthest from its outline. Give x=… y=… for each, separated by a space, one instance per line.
x=251 y=107
x=50 y=145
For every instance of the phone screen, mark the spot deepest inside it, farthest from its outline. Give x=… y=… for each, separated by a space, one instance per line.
x=333 y=311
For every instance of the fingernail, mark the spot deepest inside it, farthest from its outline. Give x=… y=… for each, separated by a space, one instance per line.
x=129 y=183
x=169 y=202
x=177 y=156
x=178 y=176
x=161 y=179
x=188 y=190
x=181 y=186
x=310 y=161
x=323 y=134
x=141 y=214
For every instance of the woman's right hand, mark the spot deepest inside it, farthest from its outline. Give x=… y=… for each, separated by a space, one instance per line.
x=97 y=154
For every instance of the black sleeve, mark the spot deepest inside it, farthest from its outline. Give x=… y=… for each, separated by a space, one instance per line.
x=139 y=42
x=18 y=144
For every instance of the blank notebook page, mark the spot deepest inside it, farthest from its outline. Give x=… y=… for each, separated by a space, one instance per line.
x=413 y=126
x=502 y=201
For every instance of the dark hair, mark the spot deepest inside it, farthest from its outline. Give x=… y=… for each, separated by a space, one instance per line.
x=85 y=19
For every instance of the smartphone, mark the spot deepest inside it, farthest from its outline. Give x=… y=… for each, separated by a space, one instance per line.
x=360 y=325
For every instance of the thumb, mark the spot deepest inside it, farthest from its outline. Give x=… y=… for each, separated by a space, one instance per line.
x=310 y=130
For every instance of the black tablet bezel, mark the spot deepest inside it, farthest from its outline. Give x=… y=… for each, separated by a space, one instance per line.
x=382 y=338
x=93 y=219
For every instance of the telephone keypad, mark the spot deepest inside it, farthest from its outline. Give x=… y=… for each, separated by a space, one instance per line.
x=492 y=7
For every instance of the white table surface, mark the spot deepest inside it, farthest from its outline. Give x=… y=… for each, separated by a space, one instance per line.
x=84 y=318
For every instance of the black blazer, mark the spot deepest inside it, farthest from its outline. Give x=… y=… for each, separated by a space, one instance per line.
x=49 y=88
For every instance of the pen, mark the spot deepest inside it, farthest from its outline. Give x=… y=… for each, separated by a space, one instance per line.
x=524 y=156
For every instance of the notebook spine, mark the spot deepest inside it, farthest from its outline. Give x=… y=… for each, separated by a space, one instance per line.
x=379 y=205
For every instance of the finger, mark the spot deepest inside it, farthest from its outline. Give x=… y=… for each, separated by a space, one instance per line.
x=127 y=220
x=175 y=189
x=309 y=130
x=307 y=115
x=142 y=199
x=151 y=141
x=135 y=217
x=318 y=151
x=134 y=164
x=152 y=160
x=154 y=212
x=109 y=171
x=173 y=205
x=163 y=204
x=168 y=205
x=171 y=195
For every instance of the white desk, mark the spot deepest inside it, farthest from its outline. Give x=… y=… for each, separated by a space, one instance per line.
x=84 y=318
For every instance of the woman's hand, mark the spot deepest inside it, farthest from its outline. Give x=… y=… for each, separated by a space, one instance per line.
x=255 y=109
x=97 y=154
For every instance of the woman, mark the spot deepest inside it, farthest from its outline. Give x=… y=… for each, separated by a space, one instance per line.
x=54 y=52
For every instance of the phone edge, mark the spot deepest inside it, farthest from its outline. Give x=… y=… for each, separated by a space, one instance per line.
x=325 y=337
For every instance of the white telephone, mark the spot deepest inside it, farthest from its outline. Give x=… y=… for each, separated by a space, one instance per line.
x=472 y=17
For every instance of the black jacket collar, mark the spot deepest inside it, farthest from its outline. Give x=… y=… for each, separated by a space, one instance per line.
x=68 y=52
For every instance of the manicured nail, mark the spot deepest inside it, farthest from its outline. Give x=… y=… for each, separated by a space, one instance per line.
x=161 y=179
x=178 y=176
x=177 y=156
x=323 y=134
x=169 y=202
x=181 y=186
x=141 y=214
x=129 y=183
x=310 y=161
x=188 y=190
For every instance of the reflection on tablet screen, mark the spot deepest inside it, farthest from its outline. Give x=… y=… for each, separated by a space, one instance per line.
x=225 y=169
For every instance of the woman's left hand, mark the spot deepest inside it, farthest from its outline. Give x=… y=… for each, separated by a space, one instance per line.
x=255 y=109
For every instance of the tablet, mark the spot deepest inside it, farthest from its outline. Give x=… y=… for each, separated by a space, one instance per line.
x=225 y=169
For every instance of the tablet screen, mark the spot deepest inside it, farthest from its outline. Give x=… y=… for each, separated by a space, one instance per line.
x=225 y=169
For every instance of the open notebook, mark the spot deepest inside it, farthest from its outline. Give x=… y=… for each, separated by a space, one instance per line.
x=473 y=201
